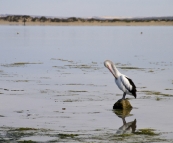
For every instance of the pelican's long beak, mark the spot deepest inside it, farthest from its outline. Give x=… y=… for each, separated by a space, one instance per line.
x=111 y=70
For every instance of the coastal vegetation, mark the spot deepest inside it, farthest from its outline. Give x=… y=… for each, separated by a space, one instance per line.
x=27 y=18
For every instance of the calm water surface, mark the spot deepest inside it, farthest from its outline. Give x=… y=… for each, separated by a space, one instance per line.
x=47 y=68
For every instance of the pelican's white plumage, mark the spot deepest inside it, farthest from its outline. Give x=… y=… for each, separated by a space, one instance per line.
x=123 y=82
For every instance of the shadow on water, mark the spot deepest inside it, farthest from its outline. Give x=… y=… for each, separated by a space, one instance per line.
x=127 y=127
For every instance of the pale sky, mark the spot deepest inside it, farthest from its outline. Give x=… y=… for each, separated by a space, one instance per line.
x=88 y=8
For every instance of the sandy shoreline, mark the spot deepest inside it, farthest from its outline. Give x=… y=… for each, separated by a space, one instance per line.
x=95 y=23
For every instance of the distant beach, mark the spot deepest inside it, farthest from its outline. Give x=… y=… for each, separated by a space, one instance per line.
x=74 y=21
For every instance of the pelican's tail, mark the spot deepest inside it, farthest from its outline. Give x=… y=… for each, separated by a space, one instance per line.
x=134 y=92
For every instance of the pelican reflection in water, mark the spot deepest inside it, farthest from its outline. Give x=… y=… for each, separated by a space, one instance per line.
x=127 y=127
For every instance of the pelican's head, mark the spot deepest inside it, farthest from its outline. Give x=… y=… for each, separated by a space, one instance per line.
x=109 y=64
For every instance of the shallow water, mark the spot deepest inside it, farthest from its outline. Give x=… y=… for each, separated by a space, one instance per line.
x=53 y=77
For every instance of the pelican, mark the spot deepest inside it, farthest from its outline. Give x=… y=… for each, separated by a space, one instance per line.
x=123 y=82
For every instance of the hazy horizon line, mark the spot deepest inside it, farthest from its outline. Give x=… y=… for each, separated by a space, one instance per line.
x=89 y=17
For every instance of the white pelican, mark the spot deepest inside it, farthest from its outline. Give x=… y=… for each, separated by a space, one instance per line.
x=123 y=82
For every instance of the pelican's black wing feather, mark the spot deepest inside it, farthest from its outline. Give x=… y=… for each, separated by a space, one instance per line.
x=133 y=91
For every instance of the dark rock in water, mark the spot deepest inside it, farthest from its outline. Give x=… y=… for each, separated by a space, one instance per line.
x=122 y=104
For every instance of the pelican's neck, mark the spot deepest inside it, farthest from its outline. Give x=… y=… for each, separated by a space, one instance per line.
x=115 y=70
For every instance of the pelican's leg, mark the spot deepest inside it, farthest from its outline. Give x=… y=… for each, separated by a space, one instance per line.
x=124 y=95
x=123 y=98
x=124 y=120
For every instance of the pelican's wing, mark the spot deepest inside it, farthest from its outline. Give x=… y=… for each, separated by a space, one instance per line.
x=129 y=85
x=131 y=82
x=126 y=82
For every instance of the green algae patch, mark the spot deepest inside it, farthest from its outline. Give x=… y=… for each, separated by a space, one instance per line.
x=155 y=93
x=62 y=136
x=24 y=63
x=77 y=91
x=79 y=66
x=141 y=135
x=168 y=89
x=125 y=135
x=24 y=129
x=19 y=64
x=83 y=66
x=158 y=99
x=63 y=60
x=15 y=135
x=30 y=141
x=149 y=132
x=150 y=71
x=131 y=68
